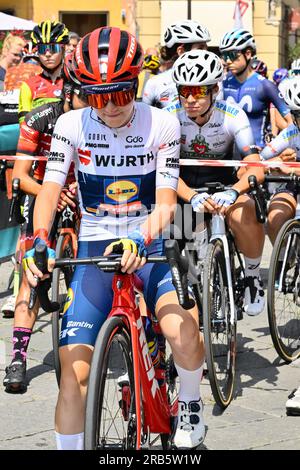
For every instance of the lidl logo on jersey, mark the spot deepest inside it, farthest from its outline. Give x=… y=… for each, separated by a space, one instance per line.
x=121 y=191
x=84 y=156
x=226 y=108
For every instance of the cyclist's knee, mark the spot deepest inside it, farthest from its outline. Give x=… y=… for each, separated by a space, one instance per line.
x=183 y=336
x=243 y=215
x=75 y=368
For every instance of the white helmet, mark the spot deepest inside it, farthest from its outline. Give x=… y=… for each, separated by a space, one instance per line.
x=186 y=32
x=292 y=93
x=237 y=40
x=197 y=67
x=295 y=65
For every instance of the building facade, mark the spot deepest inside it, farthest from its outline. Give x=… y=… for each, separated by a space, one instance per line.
x=268 y=20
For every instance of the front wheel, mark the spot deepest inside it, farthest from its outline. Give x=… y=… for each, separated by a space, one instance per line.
x=218 y=328
x=110 y=422
x=284 y=292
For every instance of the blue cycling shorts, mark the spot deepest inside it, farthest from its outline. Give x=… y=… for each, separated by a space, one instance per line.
x=90 y=294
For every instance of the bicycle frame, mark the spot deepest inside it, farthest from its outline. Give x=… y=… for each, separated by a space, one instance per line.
x=218 y=231
x=287 y=248
x=157 y=414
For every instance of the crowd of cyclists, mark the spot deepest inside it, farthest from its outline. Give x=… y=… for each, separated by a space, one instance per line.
x=114 y=124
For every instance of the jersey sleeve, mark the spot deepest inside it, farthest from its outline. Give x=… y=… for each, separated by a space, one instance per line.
x=286 y=138
x=28 y=140
x=167 y=167
x=25 y=101
x=239 y=127
x=272 y=93
x=62 y=150
x=149 y=93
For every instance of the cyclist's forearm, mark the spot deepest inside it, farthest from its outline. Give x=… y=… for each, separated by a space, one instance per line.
x=289 y=119
x=46 y=206
x=22 y=170
x=184 y=191
x=28 y=185
x=242 y=186
x=162 y=215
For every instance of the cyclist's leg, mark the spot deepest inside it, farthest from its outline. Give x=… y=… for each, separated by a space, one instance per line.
x=249 y=236
x=90 y=295
x=282 y=208
x=24 y=318
x=181 y=329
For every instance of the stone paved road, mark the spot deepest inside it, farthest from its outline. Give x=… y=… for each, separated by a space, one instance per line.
x=255 y=419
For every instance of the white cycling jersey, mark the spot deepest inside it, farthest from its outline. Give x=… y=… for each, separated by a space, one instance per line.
x=161 y=90
x=227 y=125
x=118 y=169
x=288 y=137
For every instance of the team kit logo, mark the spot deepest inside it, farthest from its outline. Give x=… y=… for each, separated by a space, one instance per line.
x=121 y=191
x=199 y=145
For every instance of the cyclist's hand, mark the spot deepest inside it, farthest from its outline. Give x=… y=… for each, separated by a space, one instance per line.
x=68 y=197
x=288 y=155
x=133 y=249
x=203 y=202
x=225 y=199
x=29 y=266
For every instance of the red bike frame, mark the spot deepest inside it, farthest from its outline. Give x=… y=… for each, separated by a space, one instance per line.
x=157 y=412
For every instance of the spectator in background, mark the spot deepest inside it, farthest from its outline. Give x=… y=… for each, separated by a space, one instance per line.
x=74 y=39
x=150 y=69
x=11 y=55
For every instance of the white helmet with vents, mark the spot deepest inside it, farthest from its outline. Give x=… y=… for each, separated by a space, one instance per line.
x=295 y=65
x=197 y=67
x=237 y=40
x=186 y=32
x=292 y=93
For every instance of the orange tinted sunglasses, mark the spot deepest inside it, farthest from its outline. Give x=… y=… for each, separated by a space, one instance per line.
x=119 y=98
x=196 y=91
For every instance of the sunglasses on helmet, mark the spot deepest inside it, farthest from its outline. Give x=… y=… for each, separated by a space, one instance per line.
x=120 y=94
x=230 y=55
x=52 y=48
x=197 y=92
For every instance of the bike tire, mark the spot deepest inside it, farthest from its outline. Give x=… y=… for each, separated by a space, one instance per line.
x=288 y=349
x=218 y=357
x=63 y=241
x=97 y=409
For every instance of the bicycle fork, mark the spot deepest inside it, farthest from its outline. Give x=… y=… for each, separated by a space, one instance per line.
x=218 y=231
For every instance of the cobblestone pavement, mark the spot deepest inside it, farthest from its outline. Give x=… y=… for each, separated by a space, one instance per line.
x=255 y=419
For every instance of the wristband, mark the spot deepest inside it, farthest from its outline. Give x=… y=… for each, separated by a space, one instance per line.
x=147 y=237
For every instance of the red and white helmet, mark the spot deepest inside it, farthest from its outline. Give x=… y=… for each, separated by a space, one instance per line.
x=107 y=55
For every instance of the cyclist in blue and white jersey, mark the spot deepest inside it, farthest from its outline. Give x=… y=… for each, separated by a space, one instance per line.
x=285 y=146
x=242 y=85
x=283 y=203
x=126 y=158
x=209 y=130
x=179 y=38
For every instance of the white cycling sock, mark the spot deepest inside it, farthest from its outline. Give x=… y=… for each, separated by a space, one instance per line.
x=252 y=266
x=69 y=441
x=189 y=383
